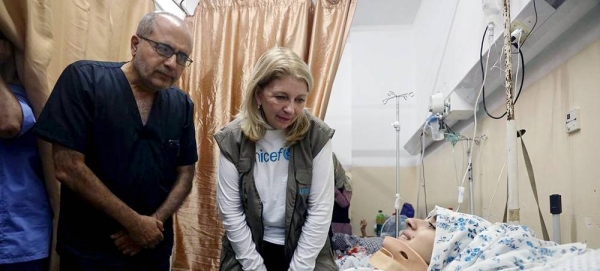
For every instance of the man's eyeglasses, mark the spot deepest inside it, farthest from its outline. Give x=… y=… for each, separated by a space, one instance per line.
x=168 y=51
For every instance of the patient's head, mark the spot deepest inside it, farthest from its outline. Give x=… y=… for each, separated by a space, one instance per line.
x=437 y=240
x=455 y=231
x=420 y=235
x=442 y=226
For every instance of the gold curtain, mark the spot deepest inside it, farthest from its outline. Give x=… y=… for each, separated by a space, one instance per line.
x=229 y=37
x=331 y=26
x=94 y=30
x=27 y=24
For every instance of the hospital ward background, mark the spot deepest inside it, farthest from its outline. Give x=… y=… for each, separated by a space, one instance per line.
x=416 y=91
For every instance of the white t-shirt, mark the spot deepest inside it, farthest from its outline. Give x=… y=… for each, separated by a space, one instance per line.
x=270 y=178
x=270 y=175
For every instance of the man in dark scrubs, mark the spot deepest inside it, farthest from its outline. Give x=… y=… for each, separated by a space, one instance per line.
x=124 y=150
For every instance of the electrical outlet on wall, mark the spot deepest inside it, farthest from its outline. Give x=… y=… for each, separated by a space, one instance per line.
x=573 y=121
x=516 y=25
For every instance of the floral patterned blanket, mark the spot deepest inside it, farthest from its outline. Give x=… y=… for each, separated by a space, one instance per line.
x=468 y=242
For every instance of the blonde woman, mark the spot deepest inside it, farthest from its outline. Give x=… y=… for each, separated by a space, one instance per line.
x=275 y=189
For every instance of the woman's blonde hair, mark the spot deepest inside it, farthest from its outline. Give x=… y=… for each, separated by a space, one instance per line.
x=275 y=63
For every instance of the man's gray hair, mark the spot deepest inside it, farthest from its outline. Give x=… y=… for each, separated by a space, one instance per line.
x=146 y=26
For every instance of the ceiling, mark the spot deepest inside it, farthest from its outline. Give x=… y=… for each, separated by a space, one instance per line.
x=368 y=12
x=385 y=12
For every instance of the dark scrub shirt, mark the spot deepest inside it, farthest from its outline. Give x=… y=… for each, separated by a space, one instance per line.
x=92 y=110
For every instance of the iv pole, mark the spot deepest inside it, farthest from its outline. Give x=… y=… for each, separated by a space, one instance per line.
x=477 y=140
x=511 y=135
x=396 y=125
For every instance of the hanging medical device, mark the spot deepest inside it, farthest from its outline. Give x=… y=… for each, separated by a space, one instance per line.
x=453 y=139
x=436 y=121
x=396 y=125
x=491 y=9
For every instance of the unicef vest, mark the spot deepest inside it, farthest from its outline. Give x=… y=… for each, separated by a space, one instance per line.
x=239 y=150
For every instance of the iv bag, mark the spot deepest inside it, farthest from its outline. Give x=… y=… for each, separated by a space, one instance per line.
x=491 y=9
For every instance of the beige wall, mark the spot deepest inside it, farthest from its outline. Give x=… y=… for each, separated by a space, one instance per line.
x=566 y=164
x=375 y=189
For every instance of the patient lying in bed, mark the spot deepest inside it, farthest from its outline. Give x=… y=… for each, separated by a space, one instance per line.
x=448 y=240
x=346 y=244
